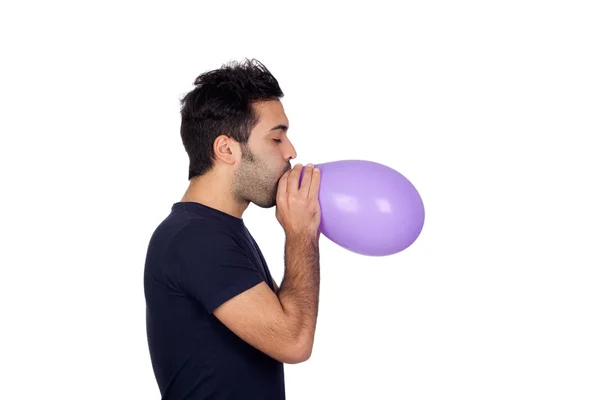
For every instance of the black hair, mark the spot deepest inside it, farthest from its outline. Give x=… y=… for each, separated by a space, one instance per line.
x=221 y=103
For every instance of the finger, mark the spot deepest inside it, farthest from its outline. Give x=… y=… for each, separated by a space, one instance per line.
x=315 y=183
x=283 y=182
x=292 y=185
x=306 y=180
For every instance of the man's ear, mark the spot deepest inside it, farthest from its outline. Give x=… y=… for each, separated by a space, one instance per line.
x=226 y=149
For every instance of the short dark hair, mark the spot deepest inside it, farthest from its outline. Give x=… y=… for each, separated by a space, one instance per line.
x=221 y=103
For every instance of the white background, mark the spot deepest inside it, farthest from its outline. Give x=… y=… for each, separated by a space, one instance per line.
x=490 y=108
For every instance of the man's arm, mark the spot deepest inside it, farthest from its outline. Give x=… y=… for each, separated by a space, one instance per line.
x=282 y=324
x=276 y=288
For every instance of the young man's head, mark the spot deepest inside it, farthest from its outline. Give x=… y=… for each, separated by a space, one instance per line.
x=234 y=125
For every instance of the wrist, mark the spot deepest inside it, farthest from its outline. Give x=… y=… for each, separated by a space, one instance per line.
x=300 y=237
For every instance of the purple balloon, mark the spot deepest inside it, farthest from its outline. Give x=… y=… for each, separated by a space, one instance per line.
x=369 y=208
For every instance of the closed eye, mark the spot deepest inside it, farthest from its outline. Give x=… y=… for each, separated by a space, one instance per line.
x=277 y=140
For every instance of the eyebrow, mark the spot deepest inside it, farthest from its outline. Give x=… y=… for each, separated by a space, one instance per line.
x=280 y=126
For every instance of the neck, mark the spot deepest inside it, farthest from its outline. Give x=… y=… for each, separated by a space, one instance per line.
x=214 y=190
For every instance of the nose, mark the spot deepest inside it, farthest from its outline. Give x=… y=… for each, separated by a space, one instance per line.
x=290 y=151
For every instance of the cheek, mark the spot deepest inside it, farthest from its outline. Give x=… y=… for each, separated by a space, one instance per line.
x=275 y=153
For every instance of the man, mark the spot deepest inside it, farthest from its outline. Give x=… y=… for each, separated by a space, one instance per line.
x=218 y=325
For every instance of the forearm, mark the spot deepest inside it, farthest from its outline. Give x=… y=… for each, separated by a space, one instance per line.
x=299 y=291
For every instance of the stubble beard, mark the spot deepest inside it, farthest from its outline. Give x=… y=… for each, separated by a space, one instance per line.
x=255 y=183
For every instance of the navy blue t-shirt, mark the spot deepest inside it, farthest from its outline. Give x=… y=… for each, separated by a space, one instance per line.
x=198 y=258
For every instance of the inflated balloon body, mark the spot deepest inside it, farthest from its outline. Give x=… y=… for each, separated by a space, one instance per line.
x=369 y=208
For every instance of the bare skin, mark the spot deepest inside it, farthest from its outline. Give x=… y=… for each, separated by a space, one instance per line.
x=280 y=323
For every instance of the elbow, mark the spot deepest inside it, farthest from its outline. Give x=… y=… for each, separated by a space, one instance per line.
x=299 y=352
x=298 y=357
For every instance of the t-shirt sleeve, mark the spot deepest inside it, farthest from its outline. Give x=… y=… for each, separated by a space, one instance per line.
x=212 y=266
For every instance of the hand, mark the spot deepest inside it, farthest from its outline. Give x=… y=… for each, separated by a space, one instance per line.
x=298 y=208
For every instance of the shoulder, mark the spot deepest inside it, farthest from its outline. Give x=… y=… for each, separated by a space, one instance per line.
x=202 y=227
x=203 y=246
x=200 y=230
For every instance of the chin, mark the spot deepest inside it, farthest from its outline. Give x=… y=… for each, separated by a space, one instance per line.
x=265 y=198
x=265 y=204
